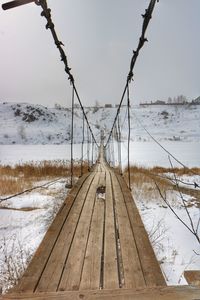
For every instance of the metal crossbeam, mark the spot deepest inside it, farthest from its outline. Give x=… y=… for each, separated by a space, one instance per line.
x=15 y=3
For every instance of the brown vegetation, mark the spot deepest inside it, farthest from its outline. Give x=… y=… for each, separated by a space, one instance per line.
x=141 y=176
x=177 y=171
x=20 y=177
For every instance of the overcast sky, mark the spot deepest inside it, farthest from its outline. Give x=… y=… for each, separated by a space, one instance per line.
x=99 y=36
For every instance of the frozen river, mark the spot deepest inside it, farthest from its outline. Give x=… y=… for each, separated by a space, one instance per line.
x=150 y=154
x=142 y=153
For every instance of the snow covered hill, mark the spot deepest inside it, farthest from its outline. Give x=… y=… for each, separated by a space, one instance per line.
x=23 y=123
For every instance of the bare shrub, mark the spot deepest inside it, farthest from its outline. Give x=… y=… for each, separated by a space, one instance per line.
x=14 y=260
x=160 y=185
x=157 y=234
x=142 y=179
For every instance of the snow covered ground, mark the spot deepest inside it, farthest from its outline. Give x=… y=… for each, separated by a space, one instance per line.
x=176 y=248
x=22 y=123
x=23 y=223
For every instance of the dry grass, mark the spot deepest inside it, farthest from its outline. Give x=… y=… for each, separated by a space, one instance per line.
x=143 y=179
x=13 y=186
x=142 y=176
x=20 y=177
x=41 y=170
x=140 y=173
x=177 y=171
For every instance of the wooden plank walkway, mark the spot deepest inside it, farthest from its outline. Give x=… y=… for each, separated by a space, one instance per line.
x=96 y=246
x=158 y=293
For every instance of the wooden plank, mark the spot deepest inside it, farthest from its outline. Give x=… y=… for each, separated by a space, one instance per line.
x=72 y=271
x=92 y=263
x=133 y=275
x=37 y=264
x=158 y=293
x=102 y=178
x=51 y=275
x=192 y=277
x=98 y=167
x=151 y=269
x=111 y=280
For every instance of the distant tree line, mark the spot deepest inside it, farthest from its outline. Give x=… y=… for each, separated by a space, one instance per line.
x=179 y=99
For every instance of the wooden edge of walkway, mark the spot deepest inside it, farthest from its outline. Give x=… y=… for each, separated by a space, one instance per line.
x=156 y=293
x=192 y=277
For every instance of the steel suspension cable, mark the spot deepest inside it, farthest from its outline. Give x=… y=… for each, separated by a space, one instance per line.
x=129 y=136
x=92 y=152
x=82 y=108
x=118 y=111
x=32 y=189
x=88 y=150
x=161 y=146
x=82 y=146
x=50 y=25
x=72 y=138
x=116 y=141
x=119 y=145
x=147 y=17
x=113 y=150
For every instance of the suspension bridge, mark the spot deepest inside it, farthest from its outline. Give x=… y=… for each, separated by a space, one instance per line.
x=97 y=246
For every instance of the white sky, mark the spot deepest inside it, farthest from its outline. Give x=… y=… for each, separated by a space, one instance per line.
x=99 y=36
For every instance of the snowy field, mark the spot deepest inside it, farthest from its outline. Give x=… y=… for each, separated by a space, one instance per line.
x=177 y=250
x=24 y=221
x=23 y=123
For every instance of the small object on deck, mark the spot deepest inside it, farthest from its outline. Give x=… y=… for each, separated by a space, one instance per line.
x=101 y=190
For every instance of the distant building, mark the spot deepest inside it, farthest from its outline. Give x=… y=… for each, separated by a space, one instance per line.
x=108 y=105
x=159 y=102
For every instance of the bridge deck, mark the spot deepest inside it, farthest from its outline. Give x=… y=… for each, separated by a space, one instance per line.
x=96 y=242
